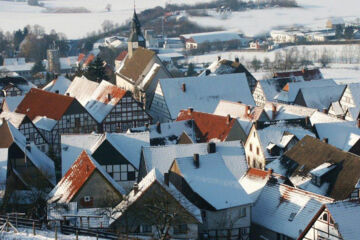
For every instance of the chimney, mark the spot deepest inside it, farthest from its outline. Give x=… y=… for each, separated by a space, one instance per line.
x=247 y=110
x=256 y=123
x=207 y=72
x=196 y=160
x=325 y=140
x=190 y=110
x=136 y=188
x=68 y=94
x=166 y=179
x=109 y=96
x=325 y=110
x=237 y=60
x=219 y=58
x=307 y=121
x=28 y=147
x=158 y=127
x=183 y=87
x=271 y=171
x=358 y=122
x=57 y=91
x=303 y=70
x=228 y=119
x=147 y=126
x=273 y=111
x=211 y=148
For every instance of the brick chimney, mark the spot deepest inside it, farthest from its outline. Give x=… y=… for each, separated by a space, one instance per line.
x=211 y=148
x=325 y=140
x=207 y=72
x=190 y=110
x=183 y=87
x=237 y=60
x=325 y=110
x=273 y=110
x=109 y=96
x=247 y=110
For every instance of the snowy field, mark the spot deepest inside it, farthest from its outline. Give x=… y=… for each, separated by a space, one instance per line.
x=15 y=15
x=312 y=14
x=337 y=53
x=26 y=234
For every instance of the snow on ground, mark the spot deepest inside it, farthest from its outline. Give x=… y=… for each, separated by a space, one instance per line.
x=15 y=15
x=312 y=14
x=338 y=53
x=27 y=234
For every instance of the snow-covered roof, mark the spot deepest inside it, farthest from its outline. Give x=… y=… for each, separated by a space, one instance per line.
x=162 y=157
x=44 y=123
x=82 y=88
x=152 y=177
x=77 y=176
x=169 y=132
x=347 y=216
x=72 y=145
x=285 y=111
x=19 y=82
x=150 y=76
x=15 y=118
x=103 y=100
x=222 y=36
x=3 y=170
x=273 y=86
x=322 y=169
x=274 y=134
x=321 y=97
x=13 y=101
x=355 y=92
x=204 y=94
x=129 y=145
x=254 y=181
x=286 y=210
x=293 y=88
x=38 y=158
x=61 y=84
x=211 y=174
x=98 y=99
x=13 y=61
x=340 y=133
x=337 y=20
x=67 y=63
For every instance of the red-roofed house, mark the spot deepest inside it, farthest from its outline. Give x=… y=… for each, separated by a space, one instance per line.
x=307 y=74
x=210 y=127
x=87 y=184
x=54 y=114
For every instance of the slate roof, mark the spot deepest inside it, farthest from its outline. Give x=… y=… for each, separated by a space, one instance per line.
x=310 y=153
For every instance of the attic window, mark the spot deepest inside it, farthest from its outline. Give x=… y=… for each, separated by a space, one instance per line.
x=292 y=216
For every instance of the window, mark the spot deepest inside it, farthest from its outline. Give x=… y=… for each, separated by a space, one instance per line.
x=242 y=212
x=250 y=147
x=324 y=217
x=146 y=228
x=257 y=150
x=179 y=229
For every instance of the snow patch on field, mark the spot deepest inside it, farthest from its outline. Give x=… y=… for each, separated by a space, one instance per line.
x=27 y=234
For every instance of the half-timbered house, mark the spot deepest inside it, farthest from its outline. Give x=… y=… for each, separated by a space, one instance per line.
x=54 y=114
x=348 y=107
x=14 y=86
x=154 y=207
x=118 y=154
x=113 y=108
x=226 y=211
x=26 y=173
x=335 y=221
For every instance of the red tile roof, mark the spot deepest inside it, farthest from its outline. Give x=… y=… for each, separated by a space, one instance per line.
x=89 y=59
x=38 y=102
x=258 y=173
x=75 y=177
x=81 y=57
x=210 y=126
x=121 y=56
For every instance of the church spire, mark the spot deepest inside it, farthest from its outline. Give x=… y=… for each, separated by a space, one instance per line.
x=136 y=37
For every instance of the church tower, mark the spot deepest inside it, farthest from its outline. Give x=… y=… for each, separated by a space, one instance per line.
x=136 y=38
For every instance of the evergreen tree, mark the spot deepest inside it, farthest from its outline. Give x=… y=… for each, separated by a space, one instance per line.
x=38 y=67
x=191 y=70
x=96 y=70
x=349 y=32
